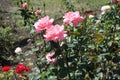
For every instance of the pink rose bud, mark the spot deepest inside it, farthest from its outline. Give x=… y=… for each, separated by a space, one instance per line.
x=38 y=12
x=49 y=57
x=24 y=5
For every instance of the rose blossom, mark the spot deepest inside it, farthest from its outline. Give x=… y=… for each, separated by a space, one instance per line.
x=49 y=57
x=27 y=69
x=72 y=17
x=18 y=50
x=43 y=24
x=20 y=68
x=105 y=9
x=38 y=12
x=55 y=33
x=5 y=68
x=24 y=5
x=115 y=1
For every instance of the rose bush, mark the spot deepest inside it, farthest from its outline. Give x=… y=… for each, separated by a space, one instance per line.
x=19 y=72
x=85 y=47
x=88 y=51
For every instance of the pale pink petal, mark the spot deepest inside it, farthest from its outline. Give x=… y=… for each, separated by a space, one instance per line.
x=55 y=33
x=72 y=17
x=43 y=24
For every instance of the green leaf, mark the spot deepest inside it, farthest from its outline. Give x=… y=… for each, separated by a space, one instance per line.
x=35 y=49
x=52 y=78
x=62 y=72
x=91 y=46
x=43 y=75
x=71 y=45
x=39 y=42
x=98 y=36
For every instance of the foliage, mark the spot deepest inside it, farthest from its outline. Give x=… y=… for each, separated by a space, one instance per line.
x=5 y=42
x=90 y=51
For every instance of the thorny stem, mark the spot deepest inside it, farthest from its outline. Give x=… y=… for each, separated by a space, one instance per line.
x=44 y=8
x=15 y=76
x=68 y=67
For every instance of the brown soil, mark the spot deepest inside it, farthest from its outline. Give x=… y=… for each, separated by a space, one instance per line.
x=6 y=20
x=5 y=7
x=21 y=36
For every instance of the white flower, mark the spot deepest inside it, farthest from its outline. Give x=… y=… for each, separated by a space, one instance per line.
x=105 y=9
x=103 y=13
x=91 y=16
x=18 y=50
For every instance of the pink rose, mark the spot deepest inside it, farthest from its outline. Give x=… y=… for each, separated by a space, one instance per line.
x=72 y=17
x=115 y=1
x=55 y=33
x=49 y=57
x=43 y=24
x=38 y=12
